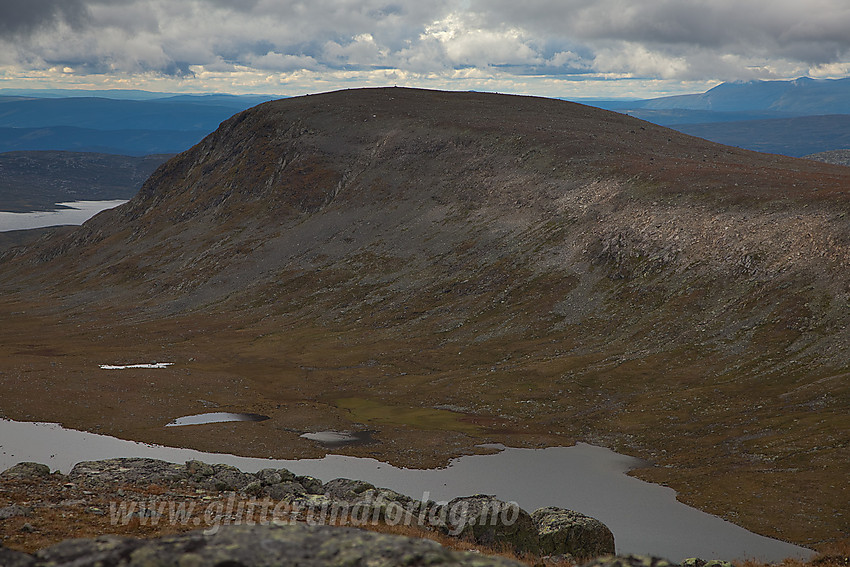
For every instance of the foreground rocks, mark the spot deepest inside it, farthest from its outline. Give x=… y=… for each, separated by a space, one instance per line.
x=272 y=517
x=253 y=546
x=218 y=498
x=482 y=519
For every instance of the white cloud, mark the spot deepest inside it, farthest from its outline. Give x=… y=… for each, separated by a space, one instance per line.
x=494 y=42
x=279 y=62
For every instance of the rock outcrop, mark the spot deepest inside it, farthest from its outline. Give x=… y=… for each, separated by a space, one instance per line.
x=253 y=546
x=488 y=520
x=567 y=532
x=25 y=470
x=629 y=561
x=290 y=499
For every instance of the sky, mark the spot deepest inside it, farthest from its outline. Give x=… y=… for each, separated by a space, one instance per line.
x=557 y=48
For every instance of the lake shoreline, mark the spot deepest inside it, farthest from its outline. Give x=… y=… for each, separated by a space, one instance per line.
x=645 y=518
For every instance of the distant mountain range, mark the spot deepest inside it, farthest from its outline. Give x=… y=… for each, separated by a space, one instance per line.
x=117 y=142
x=111 y=121
x=799 y=97
x=785 y=117
x=767 y=116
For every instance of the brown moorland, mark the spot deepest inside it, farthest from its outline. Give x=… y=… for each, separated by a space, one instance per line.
x=449 y=269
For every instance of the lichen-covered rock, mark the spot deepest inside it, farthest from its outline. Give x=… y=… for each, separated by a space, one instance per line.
x=261 y=546
x=198 y=471
x=227 y=478
x=629 y=561
x=347 y=489
x=275 y=476
x=9 y=558
x=25 y=470
x=697 y=562
x=563 y=531
x=311 y=484
x=284 y=490
x=486 y=520
x=128 y=471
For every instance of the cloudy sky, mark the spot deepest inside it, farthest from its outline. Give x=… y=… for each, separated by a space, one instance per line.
x=569 y=48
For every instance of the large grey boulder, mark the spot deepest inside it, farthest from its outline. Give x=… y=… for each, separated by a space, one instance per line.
x=562 y=531
x=347 y=489
x=128 y=471
x=284 y=490
x=259 y=546
x=227 y=478
x=222 y=478
x=270 y=477
x=487 y=520
x=9 y=558
x=25 y=470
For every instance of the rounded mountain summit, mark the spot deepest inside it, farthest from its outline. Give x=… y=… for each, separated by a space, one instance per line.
x=449 y=269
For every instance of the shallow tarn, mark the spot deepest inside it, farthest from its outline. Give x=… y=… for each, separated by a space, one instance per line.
x=215 y=417
x=340 y=438
x=645 y=518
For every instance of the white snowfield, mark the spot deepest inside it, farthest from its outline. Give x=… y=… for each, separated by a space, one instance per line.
x=148 y=365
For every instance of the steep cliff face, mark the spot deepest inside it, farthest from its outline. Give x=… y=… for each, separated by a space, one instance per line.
x=544 y=270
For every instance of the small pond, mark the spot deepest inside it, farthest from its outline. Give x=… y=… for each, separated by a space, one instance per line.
x=340 y=438
x=216 y=417
x=645 y=518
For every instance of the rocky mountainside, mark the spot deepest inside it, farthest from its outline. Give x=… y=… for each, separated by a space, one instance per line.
x=449 y=269
x=838 y=157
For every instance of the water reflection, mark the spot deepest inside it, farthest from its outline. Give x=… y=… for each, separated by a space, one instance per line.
x=645 y=518
x=216 y=417
x=340 y=438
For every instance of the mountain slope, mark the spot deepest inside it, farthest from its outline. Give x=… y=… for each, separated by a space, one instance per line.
x=457 y=268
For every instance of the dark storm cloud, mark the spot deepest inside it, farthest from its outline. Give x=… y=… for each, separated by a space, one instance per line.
x=814 y=32
x=24 y=16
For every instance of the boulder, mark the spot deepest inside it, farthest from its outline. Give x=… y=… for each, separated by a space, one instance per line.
x=697 y=562
x=486 y=520
x=199 y=471
x=9 y=558
x=562 y=531
x=259 y=546
x=311 y=484
x=128 y=471
x=14 y=510
x=227 y=478
x=283 y=490
x=629 y=561
x=347 y=489
x=25 y=470
x=274 y=476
